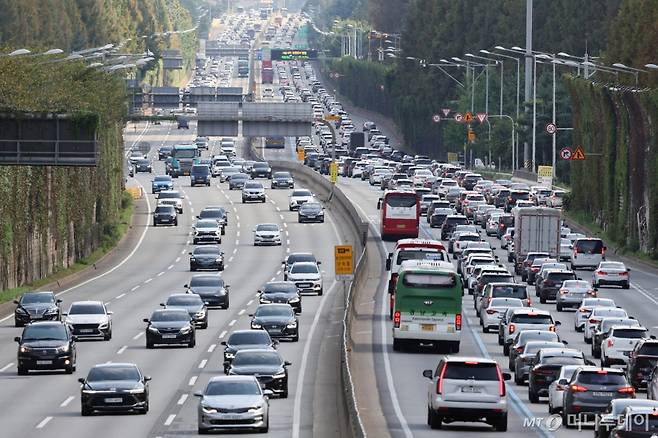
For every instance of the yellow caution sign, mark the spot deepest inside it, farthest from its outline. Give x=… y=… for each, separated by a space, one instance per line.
x=471 y=136
x=578 y=154
x=135 y=192
x=468 y=117
x=333 y=172
x=332 y=118
x=343 y=261
x=300 y=155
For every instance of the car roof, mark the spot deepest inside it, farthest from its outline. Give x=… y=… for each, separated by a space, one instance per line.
x=527 y=310
x=233 y=378
x=87 y=302
x=115 y=365
x=469 y=359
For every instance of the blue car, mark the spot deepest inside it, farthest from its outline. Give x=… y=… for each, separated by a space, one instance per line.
x=162 y=182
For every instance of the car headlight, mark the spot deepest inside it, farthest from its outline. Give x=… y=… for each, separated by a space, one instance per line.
x=292 y=324
x=294 y=300
x=218 y=260
x=264 y=301
x=103 y=325
x=185 y=330
x=208 y=409
x=21 y=311
x=63 y=348
x=196 y=233
x=255 y=325
x=135 y=391
x=154 y=330
x=228 y=355
x=25 y=349
x=200 y=314
x=255 y=409
x=51 y=311
x=281 y=375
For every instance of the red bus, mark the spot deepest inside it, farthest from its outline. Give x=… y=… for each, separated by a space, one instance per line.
x=400 y=214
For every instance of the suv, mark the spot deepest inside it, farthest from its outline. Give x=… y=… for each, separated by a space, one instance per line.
x=547 y=364
x=253 y=191
x=587 y=253
x=619 y=344
x=602 y=331
x=200 y=174
x=551 y=282
x=522 y=338
x=524 y=318
x=261 y=169
x=36 y=306
x=590 y=391
x=450 y=223
x=642 y=361
x=165 y=214
x=207 y=230
x=46 y=345
x=467 y=389
x=524 y=267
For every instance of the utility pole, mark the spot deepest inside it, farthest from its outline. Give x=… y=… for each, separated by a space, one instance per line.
x=528 y=76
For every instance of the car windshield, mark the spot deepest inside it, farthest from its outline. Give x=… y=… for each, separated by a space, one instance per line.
x=185 y=300
x=267 y=227
x=86 y=309
x=257 y=358
x=517 y=291
x=229 y=387
x=164 y=209
x=279 y=287
x=495 y=278
x=274 y=311
x=162 y=179
x=530 y=336
x=293 y=258
x=239 y=176
x=418 y=254
x=171 y=315
x=563 y=360
x=301 y=193
x=261 y=165
x=200 y=170
x=526 y=318
x=471 y=371
x=212 y=213
x=311 y=206
x=252 y=337
x=589 y=246
x=576 y=284
x=601 y=377
x=630 y=333
x=166 y=195
x=560 y=277
x=253 y=185
x=281 y=175
x=206 y=250
x=612 y=265
x=206 y=224
x=51 y=331
x=304 y=268
x=506 y=302
x=104 y=373
x=37 y=298
x=533 y=347
x=213 y=281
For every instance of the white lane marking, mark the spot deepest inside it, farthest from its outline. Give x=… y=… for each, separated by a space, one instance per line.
x=288 y=249
x=44 y=422
x=222 y=334
x=237 y=217
x=170 y=267
x=278 y=272
x=121 y=263
x=273 y=278
x=212 y=348
x=177 y=259
x=237 y=234
x=188 y=242
x=249 y=302
x=272 y=201
x=285 y=225
x=182 y=399
x=134 y=288
x=281 y=216
x=122 y=349
x=138 y=335
x=161 y=273
x=118 y=297
x=191 y=209
x=237 y=242
x=288 y=242
x=203 y=363
x=183 y=250
x=278 y=209
x=107 y=303
x=241 y=312
x=148 y=280
x=235 y=250
x=66 y=402
x=235 y=210
x=6 y=367
x=641 y=290
x=232 y=323
x=169 y=420
x=192 y=380
x=230 y=259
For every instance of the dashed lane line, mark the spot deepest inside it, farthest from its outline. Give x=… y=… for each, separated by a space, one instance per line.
x=122 y=349
x=134 y=288
x=44 y=422
x=182 y=399
x=66 y=402
x=212 y=348
x=232 y=323
x=170 y=419
x=192 y=380
x=138 y=335
x=222 y=334
x=6 y=367
x=203 y=364
x=118 y=297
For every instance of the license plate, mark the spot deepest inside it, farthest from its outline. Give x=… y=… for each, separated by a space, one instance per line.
x=168 y=336
x=86 y=330
x=470 y=389
x=427 y=327
x=44 y=362
x=113 y=400
x=601 y=394
x=401 y=226
x=232 y=416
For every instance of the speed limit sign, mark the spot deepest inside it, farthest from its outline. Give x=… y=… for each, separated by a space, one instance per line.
x=551 y=128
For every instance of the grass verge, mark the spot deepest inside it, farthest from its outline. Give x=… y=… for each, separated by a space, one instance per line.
x=111 y=236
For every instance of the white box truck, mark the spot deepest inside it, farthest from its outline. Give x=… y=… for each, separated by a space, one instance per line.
x=536 y=229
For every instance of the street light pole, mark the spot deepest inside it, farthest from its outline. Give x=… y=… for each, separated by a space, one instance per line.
x=534 y=113
x=528 y=77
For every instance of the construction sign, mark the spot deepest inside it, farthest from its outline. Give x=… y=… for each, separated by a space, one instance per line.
x=343 y=262
x=300 y=155
x=468 y=117
x=578 y=154
x=471 y=136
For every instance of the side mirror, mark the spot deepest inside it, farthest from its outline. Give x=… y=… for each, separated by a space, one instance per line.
x=223 y=343
x=507 y=376
x=652 y=337
x=267 y=393
x=379 y=205
x=589 y=362
x=185 y=285
x=17 y=339
x=58 y=301
x=16 y=302
x=147 y=378
x=428 y=373
x=190 y=253
x=286 y=363
x=109 y=312
x=557 y=323
x=565 y=342
x=74 y=338
x=628 y=269
x=319 y=262
x=563 y=381
x=162 y=304
x=388 y=264
x=198 y=217
x=66 y=313
x=251 y=315
x=578 y=278
x=198 y=394
x=146 y=320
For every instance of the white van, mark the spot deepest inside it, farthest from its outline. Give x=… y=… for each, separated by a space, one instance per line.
x=587 y=253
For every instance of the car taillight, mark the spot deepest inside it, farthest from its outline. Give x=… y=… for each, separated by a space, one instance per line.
x=458 y=321
x=548 y=283
x=439 y=383
x=391 y=301
x=512 y=328
x=535 y=269
x=592 y=293
x=542 y=371
x=575 y=251
x=392 y=283
x=551 y=328
x=626 y=390
x=594 y=321
x=564 y=291
x=610 y=343
x=529 y=301
x=559 y=387
x=519 y=349
x=491 y=311
x=577 y=388
x=501 y=382
x=396 y=319
x=601 y=273
x=623 y=273
x=488 y=302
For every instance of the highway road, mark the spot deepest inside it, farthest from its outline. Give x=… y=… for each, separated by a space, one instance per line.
x=402 y=388
x=47 y=404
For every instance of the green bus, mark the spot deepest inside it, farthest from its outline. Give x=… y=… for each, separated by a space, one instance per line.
x=428 y=305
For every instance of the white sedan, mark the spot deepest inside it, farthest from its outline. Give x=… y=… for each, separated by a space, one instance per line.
x=558 y=386
x=298 y=197
x=267 y=234
x=497 y=307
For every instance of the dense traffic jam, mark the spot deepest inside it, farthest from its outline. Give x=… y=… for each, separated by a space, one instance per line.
x=432 y=276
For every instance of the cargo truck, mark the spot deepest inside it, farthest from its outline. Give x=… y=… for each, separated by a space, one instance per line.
x=357 y=140
x=536 y=229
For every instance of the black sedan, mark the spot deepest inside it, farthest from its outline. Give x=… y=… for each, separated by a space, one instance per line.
x=143 y=165
x=114 y=387
x=278 y=319
x=36 y=306
x=170 y=326
x=261 y=170
x=192 y=304
x=266 y=365
x=207 y=257
x=281 y=292
x=237 y=180
x=46 y=345
x=310 y=212
x=164 y=152
x=211 y=288
x=245 y=340
x=282 y=179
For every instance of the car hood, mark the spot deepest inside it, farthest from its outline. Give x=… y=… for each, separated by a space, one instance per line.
x=86 y=319
x=38 y=306
x=293 y=277
x=234 y=348
x=170 y=324
x=207 y=291
x=190 y=309
x=46 y=343
x=278 y=296
x=232 y=401
x=264 y=370
x=272 y=320
x=206 y=229
x=114 y=385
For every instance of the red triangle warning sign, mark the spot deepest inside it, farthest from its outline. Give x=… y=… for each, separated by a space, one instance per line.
x=578 y=154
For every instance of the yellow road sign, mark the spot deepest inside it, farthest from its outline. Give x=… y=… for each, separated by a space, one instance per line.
x=343 y=262
x=471 y=136
x=332 y=118
x=300 y=155
x=333 y=172
x=452 y=157
x=468 y=117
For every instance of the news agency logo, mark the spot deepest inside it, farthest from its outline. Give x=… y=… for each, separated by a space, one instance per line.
x=550 y=423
